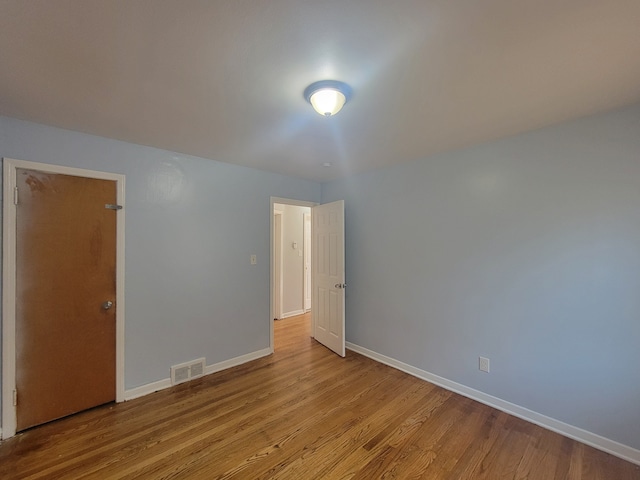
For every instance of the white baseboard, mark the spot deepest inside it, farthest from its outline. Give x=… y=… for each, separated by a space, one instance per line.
x=293 y=313
x=143 y=390
x=233 y=362
x=601 y=443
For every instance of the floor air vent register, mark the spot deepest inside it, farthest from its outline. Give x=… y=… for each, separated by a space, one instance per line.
x=187 y=371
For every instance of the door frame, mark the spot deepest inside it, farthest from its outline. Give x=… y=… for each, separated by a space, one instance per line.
x=306 y=252
x=277 y=264
x=284 y=201
x=9 y=419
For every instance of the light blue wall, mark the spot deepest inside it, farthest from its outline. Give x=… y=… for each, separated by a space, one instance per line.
x=191 y=226
x=524 y=250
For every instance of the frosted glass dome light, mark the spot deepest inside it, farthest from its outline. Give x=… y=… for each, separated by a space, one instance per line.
x=327 y=96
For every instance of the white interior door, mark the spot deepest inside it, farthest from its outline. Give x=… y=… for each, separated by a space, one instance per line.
x=327 y=271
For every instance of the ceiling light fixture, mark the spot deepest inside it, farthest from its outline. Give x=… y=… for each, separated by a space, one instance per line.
x=327 y=96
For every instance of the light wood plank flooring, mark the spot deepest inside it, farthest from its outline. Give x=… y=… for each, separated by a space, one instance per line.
x=302 y=413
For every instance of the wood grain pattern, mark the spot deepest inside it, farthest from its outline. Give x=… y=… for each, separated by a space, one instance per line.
x=65 y=270
x=302 y=413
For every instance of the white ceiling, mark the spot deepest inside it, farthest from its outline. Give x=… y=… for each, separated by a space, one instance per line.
x=224 y=79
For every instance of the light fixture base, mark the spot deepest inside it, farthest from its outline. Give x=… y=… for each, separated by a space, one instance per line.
x=328 y=96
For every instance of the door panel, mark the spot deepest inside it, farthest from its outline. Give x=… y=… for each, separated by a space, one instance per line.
x=65 y=270
x=328 y=275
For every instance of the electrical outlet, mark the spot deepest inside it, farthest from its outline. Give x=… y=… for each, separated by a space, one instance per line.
x=484 y=364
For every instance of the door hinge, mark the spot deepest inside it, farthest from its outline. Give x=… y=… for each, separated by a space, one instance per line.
x=111 y=206
x=15 y=398
x=15 y=195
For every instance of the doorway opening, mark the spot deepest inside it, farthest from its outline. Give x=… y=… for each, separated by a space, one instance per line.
x=290 y=259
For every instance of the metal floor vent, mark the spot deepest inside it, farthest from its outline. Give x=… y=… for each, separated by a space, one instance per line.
x=187 y=371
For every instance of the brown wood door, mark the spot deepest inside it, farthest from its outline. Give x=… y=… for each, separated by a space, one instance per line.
x=65 y=271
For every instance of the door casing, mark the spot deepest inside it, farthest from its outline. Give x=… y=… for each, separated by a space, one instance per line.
x=9 y=284
x=306 y=282
x=277 y=264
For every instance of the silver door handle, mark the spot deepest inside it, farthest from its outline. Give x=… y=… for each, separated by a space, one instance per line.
x=107 y=305
x=341 y=285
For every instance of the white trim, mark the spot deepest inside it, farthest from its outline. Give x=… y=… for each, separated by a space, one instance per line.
x=292 y=313
x=601 y=443
x=234 y=362
x=272 y=201
x=143 y=390
x=216 y=367
x=306 y=255
x=9 y=420
x=277 y=264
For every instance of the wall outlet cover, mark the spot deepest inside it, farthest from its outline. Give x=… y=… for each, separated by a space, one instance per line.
x=484 y=364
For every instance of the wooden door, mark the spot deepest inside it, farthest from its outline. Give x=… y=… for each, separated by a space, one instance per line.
x=65 y=272
x=327 y=271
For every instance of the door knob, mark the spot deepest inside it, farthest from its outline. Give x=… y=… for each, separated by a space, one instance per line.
x=340 y=285
x=107 y=305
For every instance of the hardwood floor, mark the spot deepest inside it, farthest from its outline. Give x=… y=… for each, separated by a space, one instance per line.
x=302 y=413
